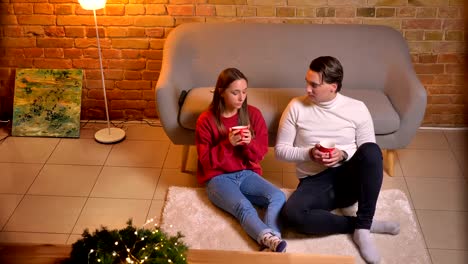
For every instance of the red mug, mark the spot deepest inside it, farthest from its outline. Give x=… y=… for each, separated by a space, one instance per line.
x=326 y=146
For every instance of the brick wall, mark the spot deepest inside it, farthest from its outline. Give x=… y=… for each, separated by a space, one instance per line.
x=59 y=34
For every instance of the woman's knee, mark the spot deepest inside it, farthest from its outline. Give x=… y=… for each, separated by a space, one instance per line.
x=278 y=196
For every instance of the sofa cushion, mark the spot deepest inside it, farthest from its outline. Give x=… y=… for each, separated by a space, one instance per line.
x=272 y=102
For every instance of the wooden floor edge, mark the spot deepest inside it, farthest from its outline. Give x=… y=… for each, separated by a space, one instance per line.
x=54 y=253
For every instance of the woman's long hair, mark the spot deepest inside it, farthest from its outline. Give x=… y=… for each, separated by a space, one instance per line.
x=217 y=106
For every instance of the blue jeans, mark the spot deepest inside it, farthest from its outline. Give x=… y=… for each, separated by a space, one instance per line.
x=238 y=192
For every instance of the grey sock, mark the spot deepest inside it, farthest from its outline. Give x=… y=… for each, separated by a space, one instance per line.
x=385 y=227
x=366 y=246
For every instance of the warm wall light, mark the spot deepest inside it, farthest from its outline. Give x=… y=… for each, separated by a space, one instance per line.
x=92 y=4
x=106 y=135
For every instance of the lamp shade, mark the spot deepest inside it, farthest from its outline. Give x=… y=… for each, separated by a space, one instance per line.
x=92 y=4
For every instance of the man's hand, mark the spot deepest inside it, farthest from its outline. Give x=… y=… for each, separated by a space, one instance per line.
x=325 y=158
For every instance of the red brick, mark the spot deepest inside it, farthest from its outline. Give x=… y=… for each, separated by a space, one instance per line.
x=53 y=63
x=133 y=85
x=438 y=99
x=442 y=79
x=114 y=74
x=16 y=62
x=153 y=65
x=19 y=42
x=34 y=52
x=53 y=53
x=157 y=44
x=152 y=54
x=127 y=64
x=134 y=9
x=23 y=9
x=111 y=54
x=183 y=20
x=422 y=24
x=130 y=43
x=91 y=53
x=96 y=94
x=87 y=63
x=91 y=32
x=15 y=53
x=429 y=68
x=150 y=75
x=136 y=32
x=426 y=79
x=180 y=10
x=450 y=58
x=154 y=32
x=13 y=31
x=72 y=53
x=54 y=43
x=449 y=12
x=455 y=69
x=427 y=58
x=63 y=9
x=205 y=10
x=148 y=95
x=34 y=31
x=121 y=94
x=74 y=32
x=156 y=10
x=115 y=10
x=54 y=31
x=6 y=9
x=132 y=75
x=345 y=12
x=130 y=54
x=449 y=47
x=36 y=20
x=44 y=9
x=92 y=42
x=454 y=24
x=9 y=20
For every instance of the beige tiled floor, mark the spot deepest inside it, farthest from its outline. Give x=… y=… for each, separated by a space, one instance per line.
x=52 y=189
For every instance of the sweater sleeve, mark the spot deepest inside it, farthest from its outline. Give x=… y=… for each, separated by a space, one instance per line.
x=258 y=147
x=214 y=152
x=284 y=148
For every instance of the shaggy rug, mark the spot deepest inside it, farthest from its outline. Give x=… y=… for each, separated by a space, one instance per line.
x=204 y=226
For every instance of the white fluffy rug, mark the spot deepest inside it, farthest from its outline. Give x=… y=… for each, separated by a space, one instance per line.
x=204 y=226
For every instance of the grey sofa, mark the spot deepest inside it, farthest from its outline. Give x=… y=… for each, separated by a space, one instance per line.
x=275 y=58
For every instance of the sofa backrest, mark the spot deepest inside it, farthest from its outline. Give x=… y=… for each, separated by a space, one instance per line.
x=272 y=55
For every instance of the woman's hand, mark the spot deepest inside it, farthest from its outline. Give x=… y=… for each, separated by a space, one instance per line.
x=325 y=158
x=240 y=136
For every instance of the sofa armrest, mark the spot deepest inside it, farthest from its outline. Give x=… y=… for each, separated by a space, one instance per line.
x=175 y=77
x=409 y=98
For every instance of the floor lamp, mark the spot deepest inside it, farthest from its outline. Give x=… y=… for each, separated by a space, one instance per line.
x=109 y=134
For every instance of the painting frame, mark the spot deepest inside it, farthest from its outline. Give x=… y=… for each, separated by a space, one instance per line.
x=47 y=103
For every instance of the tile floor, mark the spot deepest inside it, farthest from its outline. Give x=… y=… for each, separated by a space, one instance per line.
x=51 y=189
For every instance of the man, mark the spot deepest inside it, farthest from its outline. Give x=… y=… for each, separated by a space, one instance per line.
x=352 y=172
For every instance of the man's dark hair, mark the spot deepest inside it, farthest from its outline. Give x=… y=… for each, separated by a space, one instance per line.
x=329 y=68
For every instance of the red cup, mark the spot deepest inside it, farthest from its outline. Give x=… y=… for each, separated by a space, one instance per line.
x=326 y=146
x=240 y=128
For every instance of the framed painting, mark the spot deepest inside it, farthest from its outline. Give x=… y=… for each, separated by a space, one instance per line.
x=47 y=102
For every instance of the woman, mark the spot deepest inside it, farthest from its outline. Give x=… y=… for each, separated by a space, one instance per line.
x=229 y=160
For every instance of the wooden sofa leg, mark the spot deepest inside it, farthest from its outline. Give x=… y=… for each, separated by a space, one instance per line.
x=185 y=152
x=389 y=161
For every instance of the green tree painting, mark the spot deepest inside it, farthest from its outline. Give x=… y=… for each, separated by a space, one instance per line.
x=47 y=103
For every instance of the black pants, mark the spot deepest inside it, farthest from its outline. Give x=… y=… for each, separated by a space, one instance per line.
x=357 y=180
